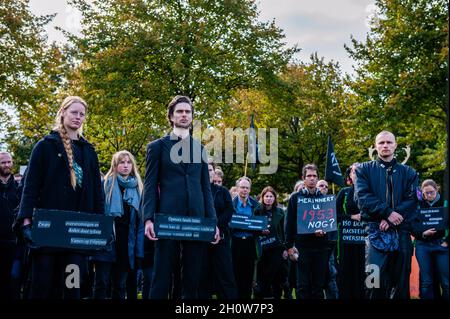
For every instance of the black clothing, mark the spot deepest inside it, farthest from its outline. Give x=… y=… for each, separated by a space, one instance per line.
x=47 y=185
x=244 y=254
x=217 y=268
x=47 y=182
x=223 y=205
x=165 y=258
x=351 y=274
x=272 y=269
x=9 y=200
x=176 y=188
x=380 y=189
x=313 y=251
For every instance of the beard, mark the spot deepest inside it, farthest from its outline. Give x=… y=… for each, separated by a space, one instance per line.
x=5 y=172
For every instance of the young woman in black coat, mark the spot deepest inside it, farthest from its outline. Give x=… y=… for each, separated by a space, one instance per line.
x=62 y=174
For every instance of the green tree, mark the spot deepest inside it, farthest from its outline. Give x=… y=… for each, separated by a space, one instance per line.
x=22 y=42
x=308 y=103
x=31 y=75
x=402 y=79
x=136 y=55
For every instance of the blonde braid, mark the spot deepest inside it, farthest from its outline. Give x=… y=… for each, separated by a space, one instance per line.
x=68 y=147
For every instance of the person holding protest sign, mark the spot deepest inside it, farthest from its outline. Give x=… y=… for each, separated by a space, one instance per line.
x=63 y=174
x=386 y=195
x=272 y=268
x=431 y=246
x=243 y=242
x=331 y=287
x=123 y=188
x=312 y=247
x=351 y=251
x=177 y=184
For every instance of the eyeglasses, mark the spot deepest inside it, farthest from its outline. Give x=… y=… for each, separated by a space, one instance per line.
x=321 y=186
x=430 y=193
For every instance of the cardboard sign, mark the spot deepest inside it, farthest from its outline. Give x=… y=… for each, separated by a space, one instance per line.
x=434 y=217
x=72 y=230
x=185 y=227
x=248 y=222
x=316 y=213
x=352 y=232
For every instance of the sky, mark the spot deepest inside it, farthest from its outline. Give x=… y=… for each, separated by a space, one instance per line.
x=321 y=26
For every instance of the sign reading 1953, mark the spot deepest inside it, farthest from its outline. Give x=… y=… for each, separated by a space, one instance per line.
x=316 y=213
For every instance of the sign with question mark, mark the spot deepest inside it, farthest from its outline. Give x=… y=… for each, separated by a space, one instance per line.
x=316 y=213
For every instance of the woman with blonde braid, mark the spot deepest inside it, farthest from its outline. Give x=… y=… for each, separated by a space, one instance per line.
x=63 y=174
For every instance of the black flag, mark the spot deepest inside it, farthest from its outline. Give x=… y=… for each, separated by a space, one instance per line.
x=253 y=145
x=332 y=170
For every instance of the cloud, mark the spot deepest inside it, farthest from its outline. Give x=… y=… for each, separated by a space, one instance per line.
x=314 y=25
x=321 y=26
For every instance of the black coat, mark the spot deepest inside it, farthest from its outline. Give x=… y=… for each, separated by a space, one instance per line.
x=345 y=203
x=382 y=188
x=9 y=199
x=47 y=182
x=176 y=188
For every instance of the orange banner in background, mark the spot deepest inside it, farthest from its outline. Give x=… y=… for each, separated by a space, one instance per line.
x=414 y=278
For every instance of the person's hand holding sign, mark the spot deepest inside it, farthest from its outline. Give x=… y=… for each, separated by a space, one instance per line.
x=320 y=233
x=149 y=230
x=216 y=236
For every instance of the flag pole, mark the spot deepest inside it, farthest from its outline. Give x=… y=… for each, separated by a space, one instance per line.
x=245 y=167
x=333 y=187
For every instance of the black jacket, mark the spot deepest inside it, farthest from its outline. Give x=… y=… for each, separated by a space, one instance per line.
x=276 y=223
x=223 y=205
x=345 y=203
x=382 y=188
x=176 y=188
x=47 y=182
x=9 y=200
x=301 y=240
x=418 y=229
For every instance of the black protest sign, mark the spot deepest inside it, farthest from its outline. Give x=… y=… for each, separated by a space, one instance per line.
x=314 y=213
x=268 y=241
x=433 y=217
x=248 y=222
x=185 y=227
x=352 y=232
x=72 y=230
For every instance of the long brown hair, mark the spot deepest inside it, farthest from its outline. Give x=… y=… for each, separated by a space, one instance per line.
x=60 y=128
x=268 y=189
